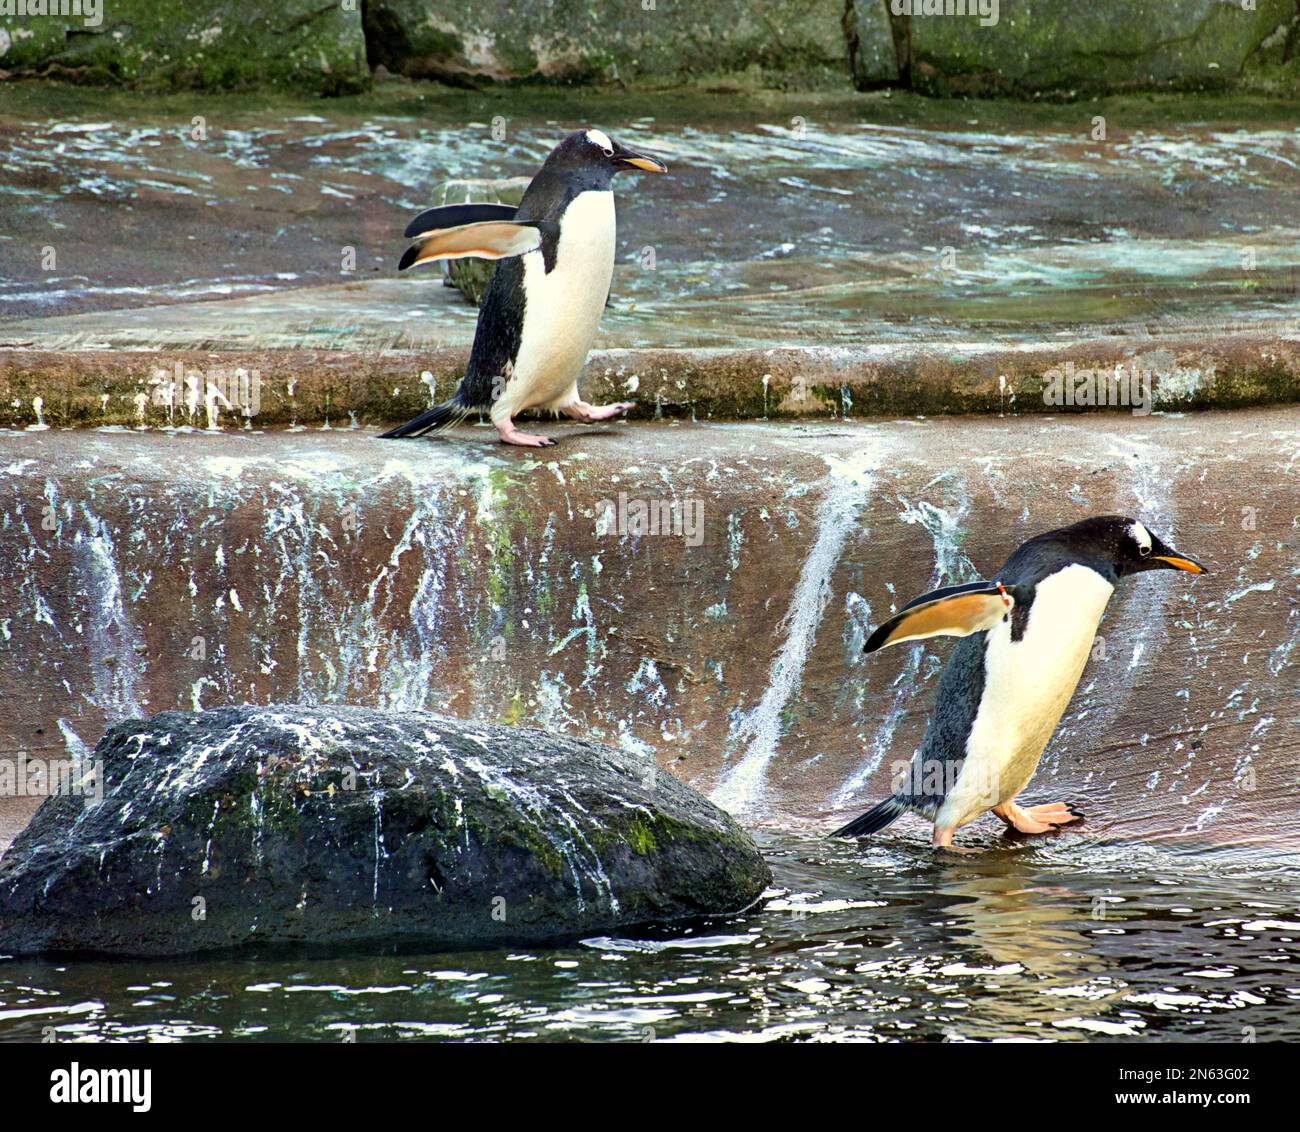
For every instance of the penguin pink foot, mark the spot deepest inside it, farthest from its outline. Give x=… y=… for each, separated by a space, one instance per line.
x=588 y=414
x=1058 y=813
x=511 y=435
x=1036 y=819
x=943 y=840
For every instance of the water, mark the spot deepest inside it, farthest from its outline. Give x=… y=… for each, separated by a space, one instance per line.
x=830 y=237
x=1055 y=941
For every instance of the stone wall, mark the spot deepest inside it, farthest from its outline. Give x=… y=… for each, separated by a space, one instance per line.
x=204 y=44
x=610 y=40
x=1025 y=46
x=1016 y=47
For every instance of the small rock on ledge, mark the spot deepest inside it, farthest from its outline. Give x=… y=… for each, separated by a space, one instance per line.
x=346 y=826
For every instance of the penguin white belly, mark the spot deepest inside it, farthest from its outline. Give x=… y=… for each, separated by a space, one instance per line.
x=562 y=308
x=1027 y=687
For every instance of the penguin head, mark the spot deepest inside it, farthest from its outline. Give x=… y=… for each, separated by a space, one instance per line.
x=594 y=157
x=1129 y=547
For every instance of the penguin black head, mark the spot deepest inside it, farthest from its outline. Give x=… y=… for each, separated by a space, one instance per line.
x=593 y=157
x=1125 y=545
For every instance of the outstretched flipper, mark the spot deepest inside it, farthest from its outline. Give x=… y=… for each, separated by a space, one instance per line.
x=456 y=216
x=954 y=611
x=490 y=239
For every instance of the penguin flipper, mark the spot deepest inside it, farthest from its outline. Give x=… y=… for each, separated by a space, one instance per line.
x=490 y=239
x=455 y=215
x=954 y=611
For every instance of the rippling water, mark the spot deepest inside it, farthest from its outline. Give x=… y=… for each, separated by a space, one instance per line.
x=1022 y=941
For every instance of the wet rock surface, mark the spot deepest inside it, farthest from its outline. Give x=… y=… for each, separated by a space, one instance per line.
x=192 y=44
x=344 y=826
x=346 y=388
x=805 y=246
x=1024 y=46
x=457 y=575
x=792 y=221
x=467 y=40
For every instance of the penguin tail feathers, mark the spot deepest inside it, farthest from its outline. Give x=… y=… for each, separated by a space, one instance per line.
x=874 y=820
x=437 y=419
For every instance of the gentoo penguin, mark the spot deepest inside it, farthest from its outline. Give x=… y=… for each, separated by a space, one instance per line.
x=1028 y=634
x=546 y=294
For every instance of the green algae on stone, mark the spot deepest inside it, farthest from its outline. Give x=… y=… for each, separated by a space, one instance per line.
x=205 y=44
x=873 y=55
x=1060 y=45
x=453 y=833
x=610 y=40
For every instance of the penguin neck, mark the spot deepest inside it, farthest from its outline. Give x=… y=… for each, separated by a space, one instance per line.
x=1042 y=557
x=552 y=190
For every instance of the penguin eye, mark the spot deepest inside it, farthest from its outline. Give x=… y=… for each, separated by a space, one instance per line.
x=607 y=150
x=1144 y=551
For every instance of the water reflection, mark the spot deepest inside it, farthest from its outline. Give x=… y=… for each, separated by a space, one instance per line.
x=881 y=942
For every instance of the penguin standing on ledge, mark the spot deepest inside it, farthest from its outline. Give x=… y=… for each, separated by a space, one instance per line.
x=545 y=296
x=1028 y=634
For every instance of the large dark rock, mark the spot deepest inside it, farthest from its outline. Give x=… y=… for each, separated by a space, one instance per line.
x=350 y=826
x=873 y=53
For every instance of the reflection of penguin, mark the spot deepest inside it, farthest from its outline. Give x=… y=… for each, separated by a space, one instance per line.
x=1028 y=635
x=544 y=298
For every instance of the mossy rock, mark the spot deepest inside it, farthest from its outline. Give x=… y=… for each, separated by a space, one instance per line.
x=473 y=41
x=1060 y=45
x=347 y=827
x=197 y=44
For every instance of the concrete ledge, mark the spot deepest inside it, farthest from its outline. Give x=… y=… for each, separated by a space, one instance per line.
x=289 y=387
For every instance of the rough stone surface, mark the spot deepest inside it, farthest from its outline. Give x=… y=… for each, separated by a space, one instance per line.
x=469 y=40
x=207 y=44
x=873 y=53
x=342 y=825
x=1035 y=45
x=455 y=574
x=1041 y=45
x=821 y=224
x=348 y=388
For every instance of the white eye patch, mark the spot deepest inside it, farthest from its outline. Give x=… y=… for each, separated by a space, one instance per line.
x=1141 y=536
x=598 y=137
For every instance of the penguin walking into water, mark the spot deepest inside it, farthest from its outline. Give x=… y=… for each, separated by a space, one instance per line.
x=1027 y=636
x=546 y=293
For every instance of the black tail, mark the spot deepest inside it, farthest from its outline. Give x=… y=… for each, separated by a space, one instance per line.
x=875 y=819
x=435 y=419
